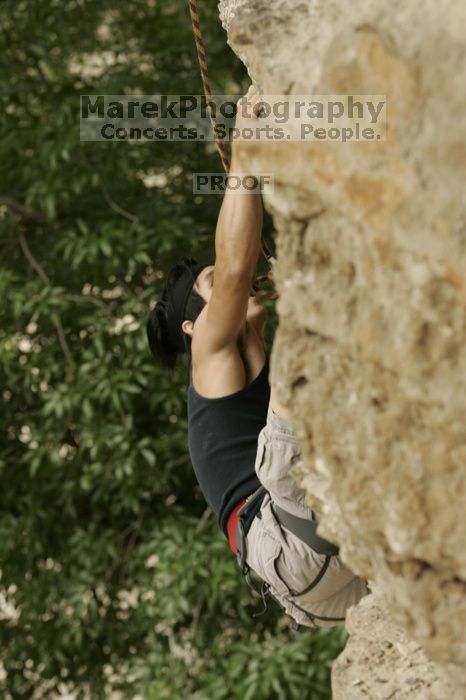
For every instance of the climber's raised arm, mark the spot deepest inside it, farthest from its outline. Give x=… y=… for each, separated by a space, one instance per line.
x=239 y=225
x=237 y=248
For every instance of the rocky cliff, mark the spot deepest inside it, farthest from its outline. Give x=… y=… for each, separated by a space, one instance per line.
x=370 y=354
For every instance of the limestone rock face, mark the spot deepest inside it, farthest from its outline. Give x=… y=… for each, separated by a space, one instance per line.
x=381 y=663
x=370 y=354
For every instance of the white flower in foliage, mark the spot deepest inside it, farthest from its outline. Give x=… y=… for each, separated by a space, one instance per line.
x=126 y=324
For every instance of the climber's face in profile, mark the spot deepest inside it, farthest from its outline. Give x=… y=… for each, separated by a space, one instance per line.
x=256 y=313
x=204 y=285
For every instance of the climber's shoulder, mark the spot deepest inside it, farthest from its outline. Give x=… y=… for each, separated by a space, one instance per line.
x=220 y=323
x=230 y=369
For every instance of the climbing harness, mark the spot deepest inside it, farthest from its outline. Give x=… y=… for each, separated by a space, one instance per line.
x=304 y=529
x=201 y=55
x=241 y=542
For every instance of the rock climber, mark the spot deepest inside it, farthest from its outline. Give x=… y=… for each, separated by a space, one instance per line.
x=240 y=438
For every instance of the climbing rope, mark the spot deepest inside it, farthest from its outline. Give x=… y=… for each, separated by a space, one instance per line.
x=201 y=55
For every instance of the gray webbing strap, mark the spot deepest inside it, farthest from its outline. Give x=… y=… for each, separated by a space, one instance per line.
x=306 y=531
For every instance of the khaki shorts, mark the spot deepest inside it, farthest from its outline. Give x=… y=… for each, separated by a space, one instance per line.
x=290 y=567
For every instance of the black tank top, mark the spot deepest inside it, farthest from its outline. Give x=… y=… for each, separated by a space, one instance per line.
x=222 y=441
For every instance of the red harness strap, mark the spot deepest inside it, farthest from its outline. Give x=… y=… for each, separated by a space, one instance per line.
x=232 y=525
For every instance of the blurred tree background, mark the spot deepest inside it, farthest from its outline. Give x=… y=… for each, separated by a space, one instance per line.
x=115 y=581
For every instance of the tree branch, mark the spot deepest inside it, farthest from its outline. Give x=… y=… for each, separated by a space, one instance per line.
x=27 y=212
x=46 y=280
x=111 y=202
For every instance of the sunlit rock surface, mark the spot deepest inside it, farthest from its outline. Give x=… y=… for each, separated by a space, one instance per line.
x=381 y=663
x=370 y=354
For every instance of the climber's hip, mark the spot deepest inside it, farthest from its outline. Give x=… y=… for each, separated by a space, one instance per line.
x=314 y=589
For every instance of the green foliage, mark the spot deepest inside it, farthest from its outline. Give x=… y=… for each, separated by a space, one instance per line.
x=111 y=576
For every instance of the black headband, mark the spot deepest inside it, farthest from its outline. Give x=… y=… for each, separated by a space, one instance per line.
x=177 y=302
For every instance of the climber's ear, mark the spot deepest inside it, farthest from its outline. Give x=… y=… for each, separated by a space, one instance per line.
x=187 y=327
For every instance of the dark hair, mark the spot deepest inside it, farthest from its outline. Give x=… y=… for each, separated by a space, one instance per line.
x=157 y=327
